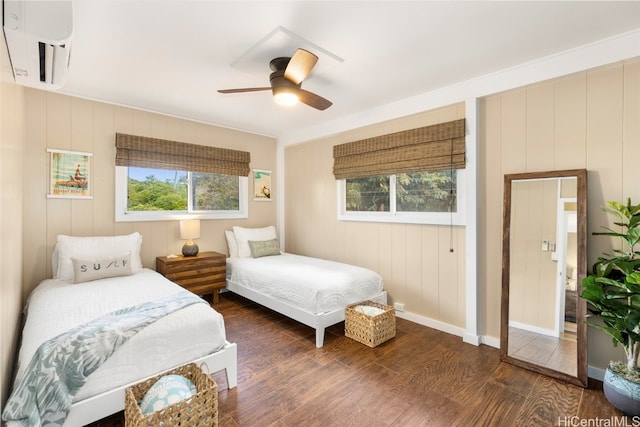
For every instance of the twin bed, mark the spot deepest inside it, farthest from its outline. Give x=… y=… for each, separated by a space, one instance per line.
x=309 y=290
x=104 y=322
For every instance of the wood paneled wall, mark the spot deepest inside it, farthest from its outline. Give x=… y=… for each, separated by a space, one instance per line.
x=12 y=125
x=68 y=123
x=11 y=219
x=414 y=260
x=585 y=120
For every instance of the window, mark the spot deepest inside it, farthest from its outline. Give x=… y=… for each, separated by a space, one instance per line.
x=158 y=179
x=411 y=176
x=144 y=194
x=426 y=192
x=422 y=197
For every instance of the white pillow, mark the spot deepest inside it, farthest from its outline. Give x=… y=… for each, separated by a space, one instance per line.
x=243 y=235
x=232 y=244
x=90 y=248
x=101 y=268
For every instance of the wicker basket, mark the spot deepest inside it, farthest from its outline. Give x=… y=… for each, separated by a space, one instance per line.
x=200 y=410
x=370 y=330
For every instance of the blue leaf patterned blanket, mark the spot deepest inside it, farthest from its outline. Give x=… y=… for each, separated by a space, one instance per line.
x=62 y=364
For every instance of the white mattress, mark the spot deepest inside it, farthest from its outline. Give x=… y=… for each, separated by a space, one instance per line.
x=55 y=306
x=311 y=284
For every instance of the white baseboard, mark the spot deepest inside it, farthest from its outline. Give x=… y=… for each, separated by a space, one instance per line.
x=490 y=341
x=432 y=323
x=595 y=372
x=472 y=339
x=534 y=329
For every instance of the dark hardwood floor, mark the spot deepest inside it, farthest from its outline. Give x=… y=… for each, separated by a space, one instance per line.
x=422 y=377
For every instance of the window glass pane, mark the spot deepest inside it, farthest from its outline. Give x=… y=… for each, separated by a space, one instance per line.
x=213 y=192
x=426 y=192
x=368 y=194
x=156 y=190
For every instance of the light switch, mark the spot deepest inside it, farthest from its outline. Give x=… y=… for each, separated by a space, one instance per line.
x=545 y=245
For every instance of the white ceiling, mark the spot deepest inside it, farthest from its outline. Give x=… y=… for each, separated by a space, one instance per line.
x=171 y=56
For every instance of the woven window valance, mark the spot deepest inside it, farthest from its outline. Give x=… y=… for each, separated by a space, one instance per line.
x=143 y=152
x=430 y=148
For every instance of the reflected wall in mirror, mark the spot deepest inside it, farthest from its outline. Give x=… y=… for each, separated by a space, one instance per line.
x=543 y=264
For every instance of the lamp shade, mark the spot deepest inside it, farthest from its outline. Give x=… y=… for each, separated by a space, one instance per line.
x=190 y=229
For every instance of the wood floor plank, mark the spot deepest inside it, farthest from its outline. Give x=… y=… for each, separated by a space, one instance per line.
x=515 y=379
x=591 y=406
x=349 y=402
x=493 y=405
x=422 y=377
x=549 y=402
x=281 y=400
x=430 y=409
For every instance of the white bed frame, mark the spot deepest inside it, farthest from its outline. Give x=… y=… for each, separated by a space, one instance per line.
x=107 y=403
x=318 y=321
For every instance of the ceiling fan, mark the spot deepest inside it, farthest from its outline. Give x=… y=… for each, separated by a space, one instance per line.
x=286 y=81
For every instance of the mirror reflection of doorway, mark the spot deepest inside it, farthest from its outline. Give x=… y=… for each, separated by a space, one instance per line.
x=566 y=256
x=543 y=292
x=568 y=282
x=541 y=267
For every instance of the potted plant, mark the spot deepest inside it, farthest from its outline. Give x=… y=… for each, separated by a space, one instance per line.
x=613 y=293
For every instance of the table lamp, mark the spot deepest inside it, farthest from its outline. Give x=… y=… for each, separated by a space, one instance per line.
x=189 y=230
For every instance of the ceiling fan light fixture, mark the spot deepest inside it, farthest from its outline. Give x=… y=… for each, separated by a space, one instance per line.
x=286 y=96
x=286 y=81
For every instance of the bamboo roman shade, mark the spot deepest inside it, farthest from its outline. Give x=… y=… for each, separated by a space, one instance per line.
x=430 y=148
x=143 y=152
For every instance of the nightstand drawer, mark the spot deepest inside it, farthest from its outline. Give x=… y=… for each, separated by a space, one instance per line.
x=202 y=274
x=178 y=273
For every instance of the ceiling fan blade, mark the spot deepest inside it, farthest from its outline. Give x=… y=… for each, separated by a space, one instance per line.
x=300 y=66
x=246 y=89
x=313 y=100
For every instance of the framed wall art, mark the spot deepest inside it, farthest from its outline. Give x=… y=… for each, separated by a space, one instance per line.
x=69 y=174
x=261 y=185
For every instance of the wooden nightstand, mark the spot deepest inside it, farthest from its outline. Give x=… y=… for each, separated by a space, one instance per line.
x=202 y=274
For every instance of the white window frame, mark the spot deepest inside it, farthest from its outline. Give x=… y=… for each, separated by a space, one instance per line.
x=436 y=218
x=123 y=215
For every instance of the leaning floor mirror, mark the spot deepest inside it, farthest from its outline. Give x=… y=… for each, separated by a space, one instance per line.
x=543 y=263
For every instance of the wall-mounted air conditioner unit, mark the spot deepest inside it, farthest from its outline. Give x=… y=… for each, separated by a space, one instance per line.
x=38 y=36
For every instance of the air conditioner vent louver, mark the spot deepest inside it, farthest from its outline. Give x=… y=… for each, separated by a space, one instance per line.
x=42 y=51
x=38 y=36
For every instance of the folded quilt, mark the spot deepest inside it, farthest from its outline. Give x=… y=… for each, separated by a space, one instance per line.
x=61 y=365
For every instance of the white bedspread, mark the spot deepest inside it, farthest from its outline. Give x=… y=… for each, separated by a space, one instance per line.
x=55 y=306
x=311 y=284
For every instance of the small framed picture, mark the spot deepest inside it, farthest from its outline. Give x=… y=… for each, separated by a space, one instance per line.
x=69 y=174
x=261 y=185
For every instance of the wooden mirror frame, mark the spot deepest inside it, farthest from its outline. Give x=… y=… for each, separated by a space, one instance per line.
x=581 y=307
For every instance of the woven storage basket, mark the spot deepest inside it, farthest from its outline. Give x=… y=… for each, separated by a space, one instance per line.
x=199 y=410
x=370 y=330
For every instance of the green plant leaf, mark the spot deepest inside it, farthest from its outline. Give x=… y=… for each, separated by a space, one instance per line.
x=602 y=269
x=633 y=237
x=613 y=289
x=634 y=278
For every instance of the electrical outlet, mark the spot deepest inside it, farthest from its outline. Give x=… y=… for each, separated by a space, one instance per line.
x=398 y=306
